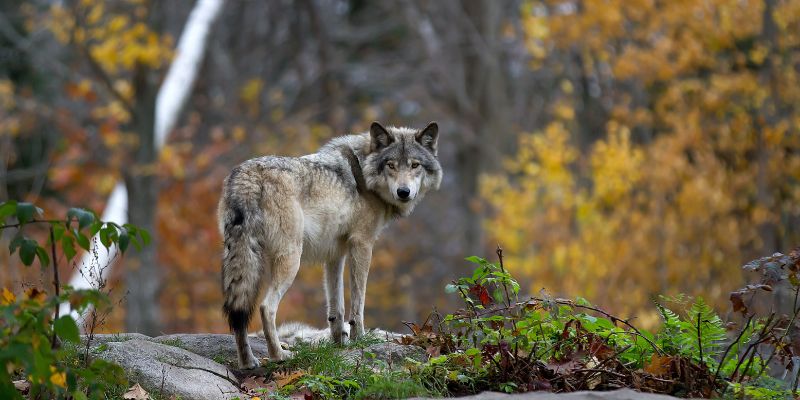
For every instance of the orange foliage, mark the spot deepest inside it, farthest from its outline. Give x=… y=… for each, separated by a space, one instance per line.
x=710 y=173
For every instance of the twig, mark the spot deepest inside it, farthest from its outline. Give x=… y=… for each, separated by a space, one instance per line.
x=761 y=338
x=56 y=281
x=613 y=318
x=699 y=337
x=34 y=221
x=499 y=252
x=596 y=370
x=730 y=346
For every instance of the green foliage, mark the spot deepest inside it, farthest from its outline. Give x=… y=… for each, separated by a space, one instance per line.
x=25 y=347
x=498 y=342
x=328 y=375
x=35 y=345
x=501 y=343
x=764 y=388
x=78 y=227
x=700 y=335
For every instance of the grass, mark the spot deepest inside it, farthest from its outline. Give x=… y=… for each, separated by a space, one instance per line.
x=175 y=342
x=329 y=375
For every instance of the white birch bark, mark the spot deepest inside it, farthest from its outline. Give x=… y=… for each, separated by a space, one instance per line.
x=172 y=97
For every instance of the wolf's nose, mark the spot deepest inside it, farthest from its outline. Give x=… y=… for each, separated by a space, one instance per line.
x=403 y=192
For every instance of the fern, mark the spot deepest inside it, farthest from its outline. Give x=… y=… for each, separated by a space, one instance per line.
x=707 y=334
x=681 y=336
x=673 y=332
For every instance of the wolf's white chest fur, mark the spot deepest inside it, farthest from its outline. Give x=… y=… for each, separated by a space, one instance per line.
x=326 y=230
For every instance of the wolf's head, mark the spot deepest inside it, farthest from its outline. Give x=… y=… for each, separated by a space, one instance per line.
x=402 y=166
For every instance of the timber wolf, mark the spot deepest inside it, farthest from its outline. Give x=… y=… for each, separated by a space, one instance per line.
x=292 y=333
x=278 y=212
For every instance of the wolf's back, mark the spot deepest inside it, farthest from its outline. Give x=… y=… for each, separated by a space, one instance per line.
x=242 y=223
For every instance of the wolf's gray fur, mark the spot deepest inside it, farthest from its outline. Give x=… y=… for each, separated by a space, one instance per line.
x=292 y=333
x=276 y=212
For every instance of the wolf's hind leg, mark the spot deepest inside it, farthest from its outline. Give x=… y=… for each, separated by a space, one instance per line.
x=334 y=291
x=241 y=276
x=246 y=358
x=283 y=270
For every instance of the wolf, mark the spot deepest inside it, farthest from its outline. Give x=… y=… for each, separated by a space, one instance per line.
x=278 y=212
x=292 y=333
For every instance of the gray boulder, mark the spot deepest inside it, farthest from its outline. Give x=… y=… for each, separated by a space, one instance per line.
x=167 y=371
x=218 y=347
x=102 y=338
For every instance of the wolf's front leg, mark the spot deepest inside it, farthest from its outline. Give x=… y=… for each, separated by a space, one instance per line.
x=334 y=291
x=360 y=257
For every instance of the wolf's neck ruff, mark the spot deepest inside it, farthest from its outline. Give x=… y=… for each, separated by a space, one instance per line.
x=276 y=212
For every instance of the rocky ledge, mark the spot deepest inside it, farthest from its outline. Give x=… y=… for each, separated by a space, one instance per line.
x=203 y=366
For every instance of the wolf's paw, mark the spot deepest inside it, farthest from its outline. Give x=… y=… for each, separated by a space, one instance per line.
x=284 y=345
x=339 y=337
x=282 y=355
x=252 y=363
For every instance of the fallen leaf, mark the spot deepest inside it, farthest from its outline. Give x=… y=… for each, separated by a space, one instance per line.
x=136 y=392
x=284 y=378
x=658 y=365
x=252 y=383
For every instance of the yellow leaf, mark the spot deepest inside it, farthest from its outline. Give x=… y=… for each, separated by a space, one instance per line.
x=7 y=297
x=251 y=90
x=58 y=378
x=35 y=295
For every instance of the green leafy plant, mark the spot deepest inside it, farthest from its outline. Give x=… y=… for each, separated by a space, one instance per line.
x=37 y=345
x=499 y=342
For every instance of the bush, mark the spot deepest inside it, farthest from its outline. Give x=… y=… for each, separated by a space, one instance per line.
x=37 y=345
x=499 y=342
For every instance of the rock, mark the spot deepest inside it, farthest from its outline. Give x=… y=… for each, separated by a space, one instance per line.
x=390 y=353
x=622 y=394
x=183 y=374
x=101 y=338
x=218 y=347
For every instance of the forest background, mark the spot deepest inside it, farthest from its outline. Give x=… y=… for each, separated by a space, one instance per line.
x=616 y=149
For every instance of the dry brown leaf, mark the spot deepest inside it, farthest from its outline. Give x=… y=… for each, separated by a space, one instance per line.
x=251 y=383
x=285 y=378
x=136 y=392
x=659 y=365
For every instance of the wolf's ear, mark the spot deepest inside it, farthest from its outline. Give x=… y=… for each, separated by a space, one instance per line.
x=428 y=137
x=379 y=137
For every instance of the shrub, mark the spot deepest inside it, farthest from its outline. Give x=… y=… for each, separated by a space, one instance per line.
x=38 y=345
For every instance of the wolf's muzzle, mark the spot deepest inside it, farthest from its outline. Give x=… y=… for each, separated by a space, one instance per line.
x=403 y=193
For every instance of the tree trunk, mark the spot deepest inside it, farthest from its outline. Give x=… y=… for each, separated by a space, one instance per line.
x=486 y=83
x=142 y=274
x=768 y=230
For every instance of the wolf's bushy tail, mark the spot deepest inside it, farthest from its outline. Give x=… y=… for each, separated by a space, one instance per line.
x=242 y=223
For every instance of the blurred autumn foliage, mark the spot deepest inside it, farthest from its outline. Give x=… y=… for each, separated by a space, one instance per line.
x=694 y=169
x=616 y=149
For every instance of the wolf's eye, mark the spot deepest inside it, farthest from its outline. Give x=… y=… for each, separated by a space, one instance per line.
x=414 y=165
x=390 y=165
